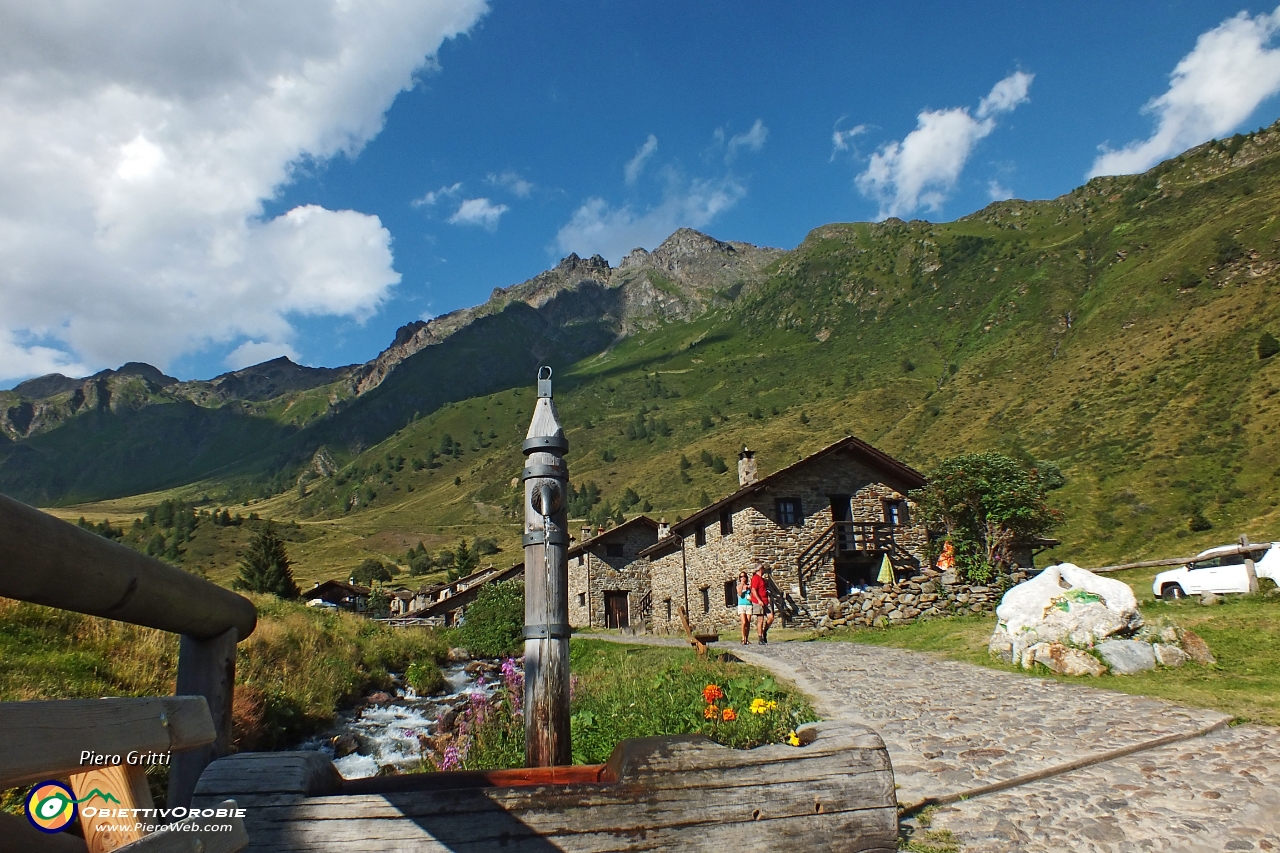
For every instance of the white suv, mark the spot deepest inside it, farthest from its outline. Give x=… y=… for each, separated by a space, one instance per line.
x=1219 y=570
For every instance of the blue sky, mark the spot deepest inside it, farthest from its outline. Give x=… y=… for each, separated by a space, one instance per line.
x=308 y=181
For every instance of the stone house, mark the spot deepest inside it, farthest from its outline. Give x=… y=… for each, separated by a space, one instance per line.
x=821 y=526
x=348 y=596
x=608 y=582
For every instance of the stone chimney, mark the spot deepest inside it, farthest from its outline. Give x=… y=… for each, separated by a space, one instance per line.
x=664 y=529
x=586 y=533
x=747 y=467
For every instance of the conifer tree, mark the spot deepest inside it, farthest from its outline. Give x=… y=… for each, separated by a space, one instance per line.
x=265 y=567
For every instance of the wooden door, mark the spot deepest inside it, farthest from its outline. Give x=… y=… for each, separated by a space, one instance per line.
x=615 y=609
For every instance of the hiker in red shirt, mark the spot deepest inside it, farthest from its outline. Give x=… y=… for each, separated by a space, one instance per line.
x=760 y=603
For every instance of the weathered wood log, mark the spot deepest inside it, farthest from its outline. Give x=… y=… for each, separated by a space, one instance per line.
x=45 y=739
x=205 y=668
x=45 y=560
x=17 y=835
x=197 y=835
x=676 y=793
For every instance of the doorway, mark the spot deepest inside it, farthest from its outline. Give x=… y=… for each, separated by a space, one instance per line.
x=857 y=572
x=842 y=510
x=616 y=611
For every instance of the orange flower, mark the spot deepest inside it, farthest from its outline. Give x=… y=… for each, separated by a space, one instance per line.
x=710 y=712
x=729 y=715
x=712 y=692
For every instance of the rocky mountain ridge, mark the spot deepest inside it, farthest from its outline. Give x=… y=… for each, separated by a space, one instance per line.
x=678 y=280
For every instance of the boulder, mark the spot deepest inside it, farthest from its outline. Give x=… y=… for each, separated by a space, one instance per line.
x=1197 y=649
x=1063 y=604
x=1126 y=657
x=344 y=745
x=1209 y=599
x=1167 y=655
x=457 y=655
x=1067 y=661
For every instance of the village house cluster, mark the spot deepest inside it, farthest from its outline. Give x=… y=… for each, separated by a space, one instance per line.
x=823 y=528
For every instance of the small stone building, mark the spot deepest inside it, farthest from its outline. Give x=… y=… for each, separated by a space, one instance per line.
x=822 y=528
x=608 y=583
x=348 y=596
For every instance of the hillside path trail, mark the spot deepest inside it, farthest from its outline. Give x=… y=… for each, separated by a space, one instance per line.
x=1012 y=762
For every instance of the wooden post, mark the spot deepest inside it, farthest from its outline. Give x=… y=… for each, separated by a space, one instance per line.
x=129 y=785
x=205 y=668
x=546 y=586
x=1250 y=570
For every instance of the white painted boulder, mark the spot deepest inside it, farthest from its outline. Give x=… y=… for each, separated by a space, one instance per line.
x=1064 y=604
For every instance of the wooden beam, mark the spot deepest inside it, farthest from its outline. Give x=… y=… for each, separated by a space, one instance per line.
x=17 y=835
x=47 y=739
x=128 y=785
x=197 y=835
x=205 y=668
x=45 y=560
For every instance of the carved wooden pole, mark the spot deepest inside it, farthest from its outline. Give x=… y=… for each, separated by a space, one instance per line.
x=546 y=586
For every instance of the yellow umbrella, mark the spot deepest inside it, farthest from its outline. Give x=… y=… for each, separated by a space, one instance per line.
x=886 y=571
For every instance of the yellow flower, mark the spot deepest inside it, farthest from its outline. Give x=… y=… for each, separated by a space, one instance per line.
x=793 y=739
x=762 y=706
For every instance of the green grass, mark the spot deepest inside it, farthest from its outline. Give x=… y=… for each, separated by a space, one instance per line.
x=1242 y=632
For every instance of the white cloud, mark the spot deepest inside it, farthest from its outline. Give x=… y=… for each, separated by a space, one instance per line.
x=478 y=211
x=840 y=138
x=996 y=192
x=138 y=143
x=752 y=140
x=511 y=181
x=1212 y=89
x=631 y=172
x=921 y=170
x=255 y=352
x=598 y=228
x=430 y=198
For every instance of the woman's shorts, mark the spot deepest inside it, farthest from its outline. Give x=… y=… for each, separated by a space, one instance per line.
x=744 y=609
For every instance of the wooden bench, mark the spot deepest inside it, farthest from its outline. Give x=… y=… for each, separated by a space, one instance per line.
x=682 y=793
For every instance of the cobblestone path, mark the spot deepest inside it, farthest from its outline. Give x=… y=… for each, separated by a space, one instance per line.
x=1043 y=765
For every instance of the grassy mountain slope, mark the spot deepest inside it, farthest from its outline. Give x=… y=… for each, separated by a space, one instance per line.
x=1112 y=332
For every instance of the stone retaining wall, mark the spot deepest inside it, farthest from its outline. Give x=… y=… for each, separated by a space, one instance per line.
x=920 y=597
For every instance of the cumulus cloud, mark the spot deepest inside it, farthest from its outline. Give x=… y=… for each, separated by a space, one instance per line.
x=512 y=181
x=752 y=140
x=138 y=142
x=256 y=352
x=430 y=198
x=599 y=228
x=997 y=192
x=478 y=211
x=631 y=172
x=921 y=170
x=1212 y=89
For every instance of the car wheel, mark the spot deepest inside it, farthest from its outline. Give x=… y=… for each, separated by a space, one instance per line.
x=1172 y=592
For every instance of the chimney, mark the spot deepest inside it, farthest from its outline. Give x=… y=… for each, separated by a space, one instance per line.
x=664 y=529
x=586 y=533
x=747 y=467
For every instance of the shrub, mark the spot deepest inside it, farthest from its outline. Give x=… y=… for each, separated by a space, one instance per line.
x=369 y=571
x=1197 y=523
x=494 y=623
x=1267 y=346
x=425 y=677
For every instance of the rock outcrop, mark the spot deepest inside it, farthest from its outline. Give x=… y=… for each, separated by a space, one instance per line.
x=1074 y=622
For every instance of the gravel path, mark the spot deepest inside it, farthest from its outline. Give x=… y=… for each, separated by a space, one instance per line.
x=1043 y=765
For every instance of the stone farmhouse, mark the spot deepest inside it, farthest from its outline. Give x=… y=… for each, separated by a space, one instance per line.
x=821 y=526
x=608 y=580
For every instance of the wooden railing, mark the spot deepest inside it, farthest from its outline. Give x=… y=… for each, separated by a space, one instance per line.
x=44 y=560
x=845 y=538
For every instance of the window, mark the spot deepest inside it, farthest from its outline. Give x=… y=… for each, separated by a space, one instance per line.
x=730 y=593
x=726 y=522
x=582 y=599
x=789 y=512
x=895 y=512
x=706 y=599
x=580 y=559
x=613 y=549
x=699 y=536
x=668 y=603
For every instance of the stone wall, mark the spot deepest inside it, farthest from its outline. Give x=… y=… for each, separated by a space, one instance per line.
x=923 y=596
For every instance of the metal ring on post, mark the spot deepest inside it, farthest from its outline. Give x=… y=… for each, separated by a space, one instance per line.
x=555 y=537
x=547 y=632
x=545 y=444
